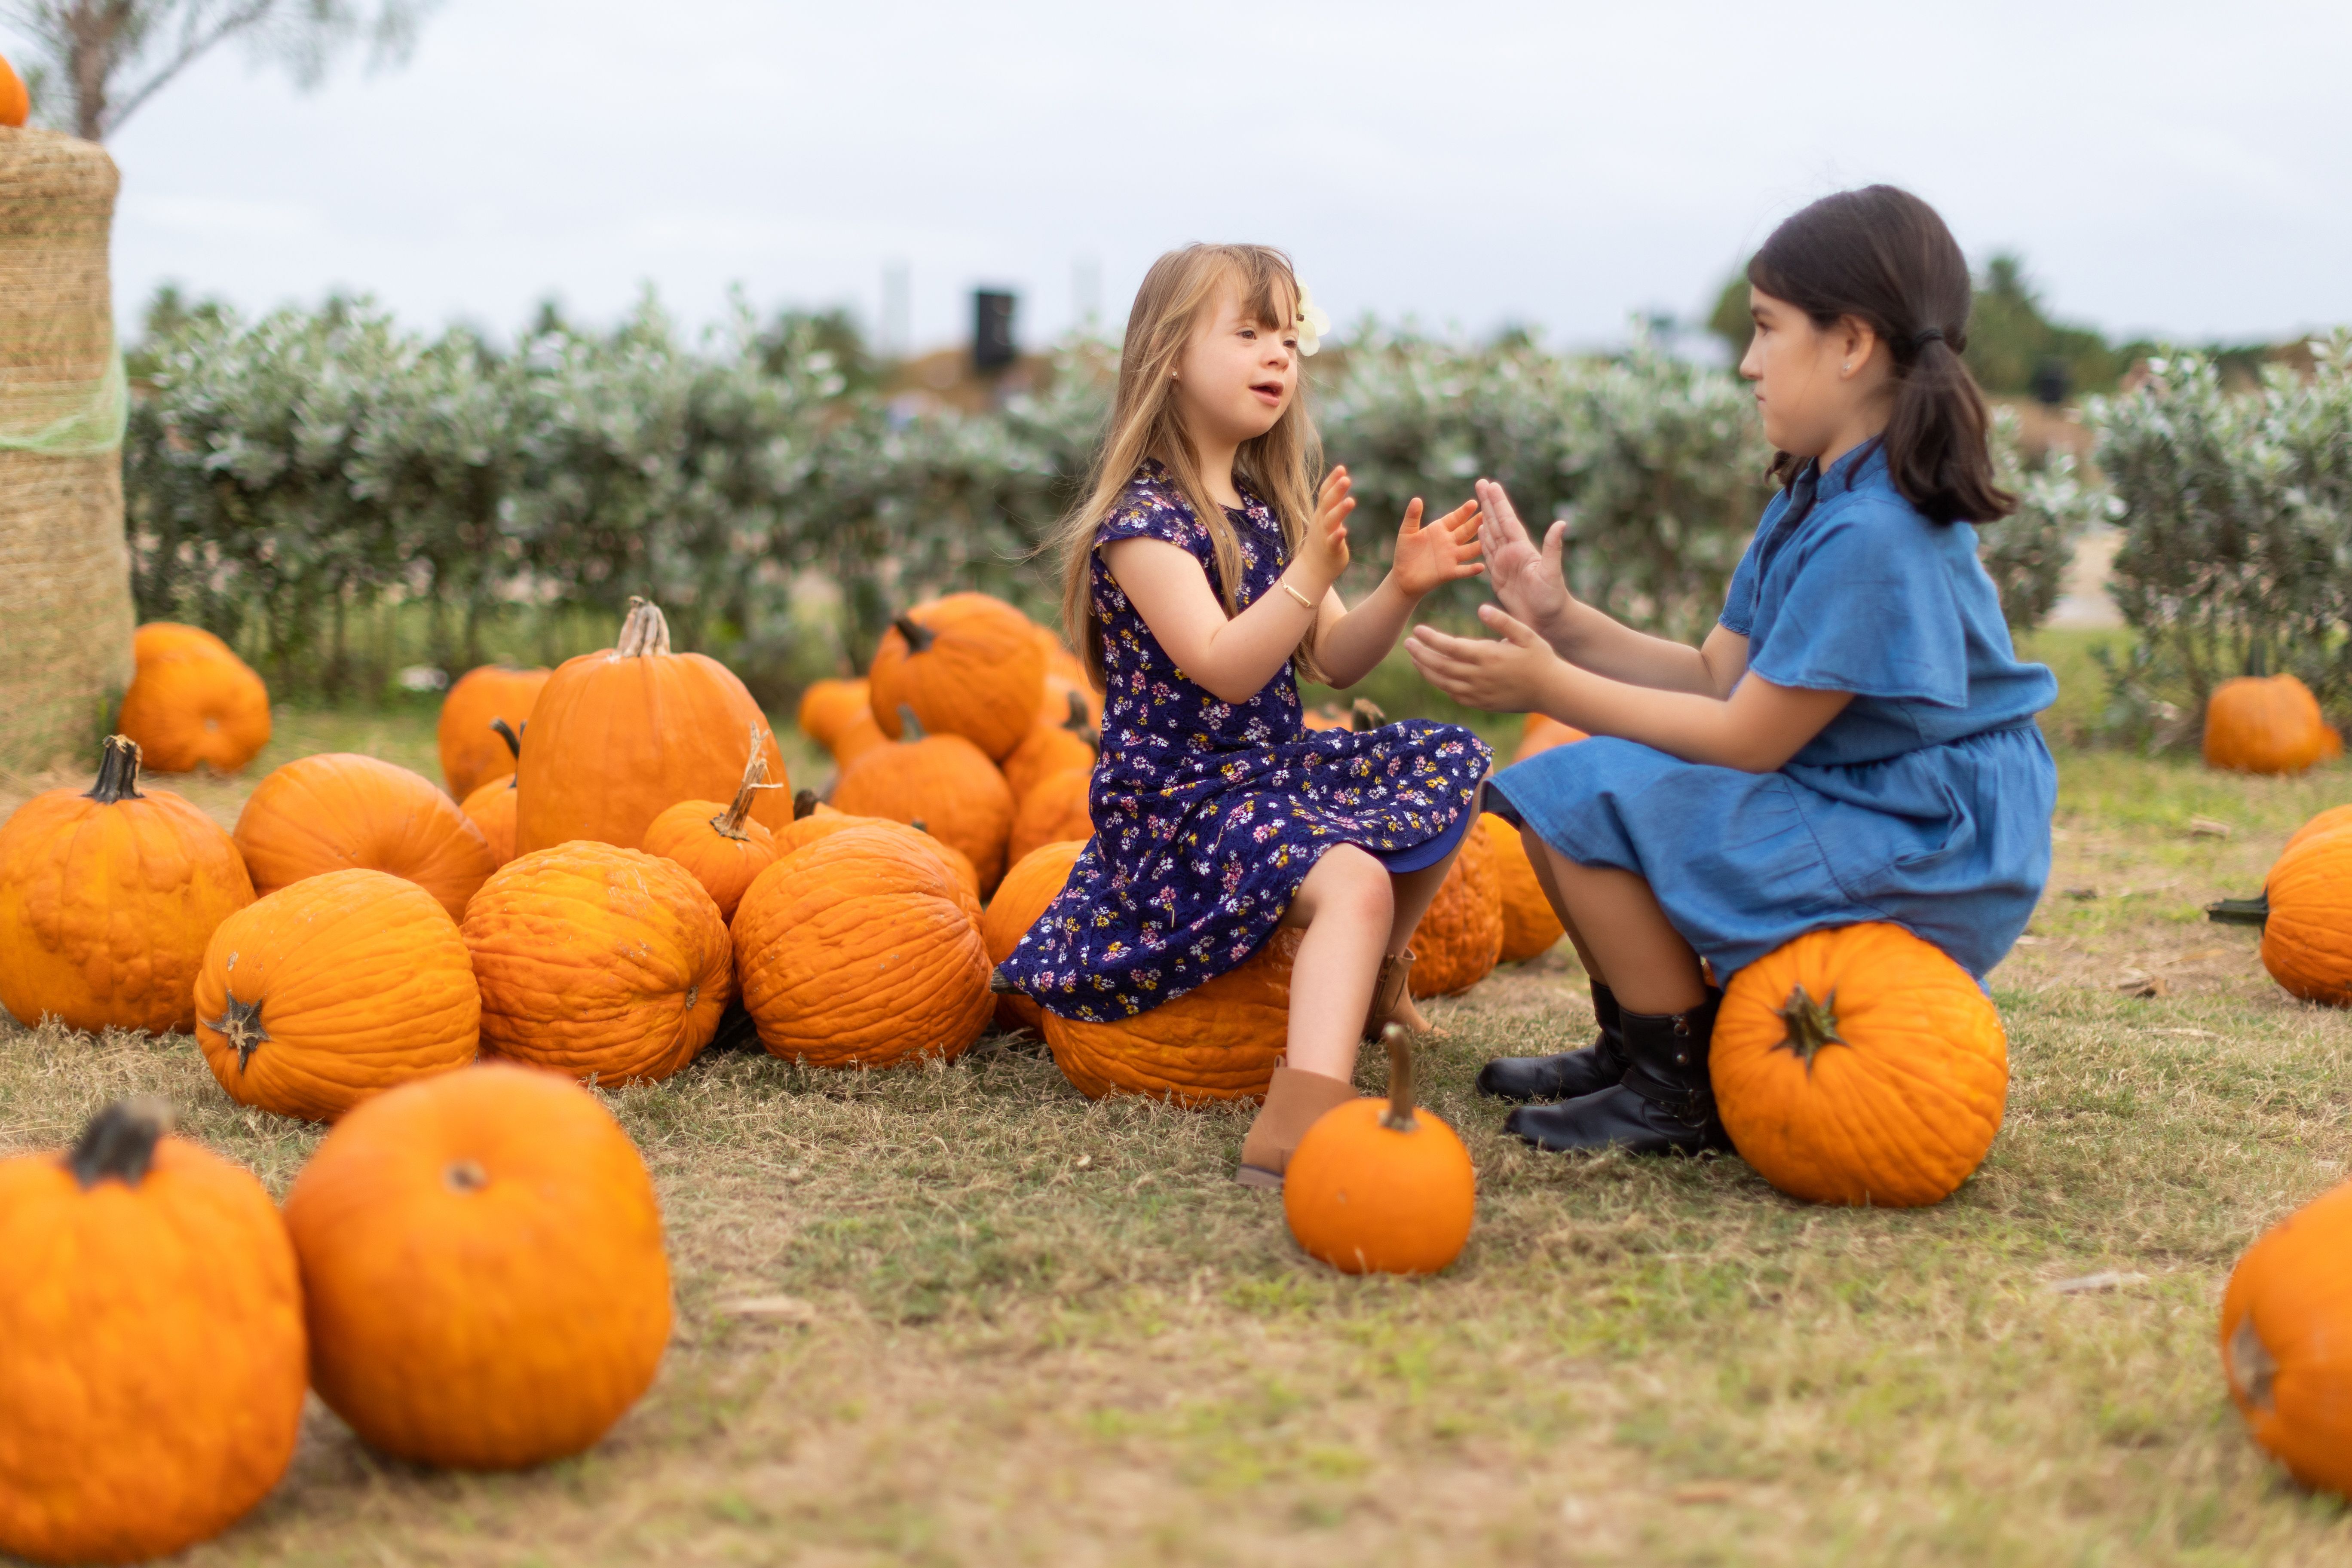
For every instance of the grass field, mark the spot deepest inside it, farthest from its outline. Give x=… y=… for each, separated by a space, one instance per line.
x=994 y=1323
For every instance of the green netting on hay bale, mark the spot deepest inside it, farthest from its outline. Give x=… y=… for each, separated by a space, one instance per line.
x=65 y=577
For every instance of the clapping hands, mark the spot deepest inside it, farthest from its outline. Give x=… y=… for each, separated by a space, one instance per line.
x=1528 y=578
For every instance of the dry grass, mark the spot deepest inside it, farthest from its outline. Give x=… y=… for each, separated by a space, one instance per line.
x=1033 y=1329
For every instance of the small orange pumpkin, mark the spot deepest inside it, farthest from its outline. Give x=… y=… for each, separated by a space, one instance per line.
x=861 y=735
x=491 y=808
x=720 y=844
x=1460 y=939
x=1055 y=810
x=1860 y=1065
x=945 y=780
x=862 y=950
x=1219 y=1041
x=1530 y=928
x=1034 y=882
x=483 y=1268
x=2334 y=819
x=1378 y=1186
x=1068 y=741
x=1066 y=676
x=2264 y=724
x=2307 y=940
x=317 y=995
x=472 y=752
x=828 y=708
x=15 y=103
x=192 y=703
x=152 y=1357
x=338 y=811
x=2286 y=1340
x=966 y=664
x=107 y=899
x=1540 y=732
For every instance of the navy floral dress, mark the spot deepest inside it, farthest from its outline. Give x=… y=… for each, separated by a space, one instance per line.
x=1208 y=815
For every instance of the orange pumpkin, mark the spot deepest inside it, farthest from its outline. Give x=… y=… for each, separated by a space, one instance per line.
x=1460 y=939
x=317 y=995
x=472 y=752
x=1065 y=677
x=828 y=708
x=2286 y=1340
x=1327 y=717
x=1378 y=1186
x=2334 y=819
x=491 y=808
x=967 y=665
x=618 y=737
x=1860 y=1065
x=967 y=875
x=2264 y=724
x=1530 y=929
x=1067 y=741
x=599 y=962
x=861 y=735
x=107 y=899
x=340 y=811
x=152 y=1359
x=1216 y=1042
x=720 y=844
x=192 y=703
x=945 y=780
x=1034 y=881
x=2307 y=939
x=483 y=1267
x=825 y=822
x=1055 y=810
x=862 y=950
x=1540 y=732
x=15 y=103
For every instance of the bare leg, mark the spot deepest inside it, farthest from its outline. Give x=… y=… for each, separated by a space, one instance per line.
x=1640 y=954
x=1348 y=910
x=1414 y=892
x=1539 y=862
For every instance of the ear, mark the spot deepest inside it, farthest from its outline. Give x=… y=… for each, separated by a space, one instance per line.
x=1858 y=340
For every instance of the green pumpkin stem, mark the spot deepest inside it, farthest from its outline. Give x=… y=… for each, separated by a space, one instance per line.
x=119 y=1142
x=2253 y=911
x=1399 y=1116
x=643 y=632
x=118 y=772
x=909 y=730
x=1811 y=1025
x=803 y=805
x=918 y=637
x=507 y=733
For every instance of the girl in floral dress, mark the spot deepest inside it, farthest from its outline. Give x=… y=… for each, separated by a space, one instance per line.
x=1198 y=579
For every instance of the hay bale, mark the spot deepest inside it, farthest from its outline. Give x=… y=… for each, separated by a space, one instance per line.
x=66 y=616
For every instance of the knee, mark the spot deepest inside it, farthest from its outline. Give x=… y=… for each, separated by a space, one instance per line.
x=1355 y=887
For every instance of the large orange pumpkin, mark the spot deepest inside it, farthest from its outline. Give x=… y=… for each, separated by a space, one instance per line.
x=2305 y=913
x=944 y=780
x=618 y=737
x=1860 y=1065
x=2335 y=818
x=825 y=822
x=2264 y=724
x=152 y=1360
x=1539 y=733
x=1067 y=741
x=1065 y=677
x=15 y=103
x=1055 y=810
x=483 y=1268
x=829 y=707
x=1460 y=939
x=967 y=665
x=1378 y=1186
x=192 y=703
x=1530 y=929
x=339 y=811
x=1034 y=882
x=319 y=994
x=862 y=950
x=720 y=845
x=1218 y=1041
x=599 y=962
x=107 y=899
x=472 y=752
x=2286 y=1340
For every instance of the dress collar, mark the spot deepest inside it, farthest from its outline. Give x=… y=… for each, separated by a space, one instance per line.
x=1852 y=471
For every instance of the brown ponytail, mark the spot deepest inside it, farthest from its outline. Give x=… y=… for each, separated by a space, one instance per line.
x=1883 y=257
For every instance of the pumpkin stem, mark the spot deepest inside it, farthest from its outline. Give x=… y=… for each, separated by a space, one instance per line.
x=1365 y=715
x=643 y=632
x=1081 y=723
x=119 y=1142
x=2253 y=911
x=730 y=822
x=465 y=1176
x=803 y=805
x=918 y=637
x=909 y=730
x=240 y=1024
x=507 y=733
x=1399 y=1116
x=1811 y=1025
x=118 y=772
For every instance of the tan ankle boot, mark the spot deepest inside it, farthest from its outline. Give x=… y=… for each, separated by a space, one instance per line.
x=1388 y=989
x=1294 y=1101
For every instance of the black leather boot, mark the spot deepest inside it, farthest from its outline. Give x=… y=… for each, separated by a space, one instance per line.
x=1569 y=1074
x=1665 y=1106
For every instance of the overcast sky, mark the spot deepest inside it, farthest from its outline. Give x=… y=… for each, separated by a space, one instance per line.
x=2181 y=169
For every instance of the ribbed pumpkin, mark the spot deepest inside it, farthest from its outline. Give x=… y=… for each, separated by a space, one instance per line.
x=862 y=950
x=341 y=986
x=829 y=707
x=1067 y=741
x=1540 y=732
x=1460 y=939
x=1380 y=1186
x=1034 y=881
x=1530 y=929
x=107 y=899
x=2286 y=1340
x=152 y=1360
x=2334 y=819
x=599 y=962
x=618 y=737
x=946 y=781
x=967 y=665
x=1218 y=1041
x=339 y=811
x=192 y=703
x=1860 y=1065
x=825 y=822
x=483 y=1268
x=491 y=808
x=1055 y=810
x=472 y=752
x=720 y=845
x=2307 y=919
x=2264 y=724
x=967 y=875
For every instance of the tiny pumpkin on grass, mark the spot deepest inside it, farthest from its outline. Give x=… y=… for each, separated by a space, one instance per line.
x=1382 y=1186
x=1219 y=1041
x=720 y=844
x=483 y=711
x=965 y=665
x=340 y=811
x=945 y=780
x=2286 y=1340
x=1035 y=881
x=1460 y=939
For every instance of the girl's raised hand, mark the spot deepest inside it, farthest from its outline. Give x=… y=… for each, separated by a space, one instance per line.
x=1442 y=551
x=1528 y=578
x=1324 y=551
x=1506 y=677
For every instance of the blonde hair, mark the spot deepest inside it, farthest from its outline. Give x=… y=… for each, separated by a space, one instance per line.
x=1147 y=421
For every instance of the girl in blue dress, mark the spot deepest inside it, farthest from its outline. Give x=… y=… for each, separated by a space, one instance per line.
x=1199 y=576
x=1854 y=742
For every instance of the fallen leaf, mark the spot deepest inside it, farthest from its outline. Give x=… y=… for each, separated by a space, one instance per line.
x=2144 y=986
x=778 y=1309
x=2107 y=1280
x=2208 y=827
x=1702 y=1494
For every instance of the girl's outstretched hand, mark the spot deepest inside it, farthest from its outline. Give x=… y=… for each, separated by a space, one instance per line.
x=1446 y=551
x=1506 y=677
x=1324 y=551
x=1528 y=578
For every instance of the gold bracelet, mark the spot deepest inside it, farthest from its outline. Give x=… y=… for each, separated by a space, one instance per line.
x=1303 y=599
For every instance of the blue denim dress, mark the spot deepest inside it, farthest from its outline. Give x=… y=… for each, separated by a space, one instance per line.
x=1926 y=802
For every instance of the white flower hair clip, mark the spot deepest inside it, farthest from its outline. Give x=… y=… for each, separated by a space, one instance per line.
x=1312 y=322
